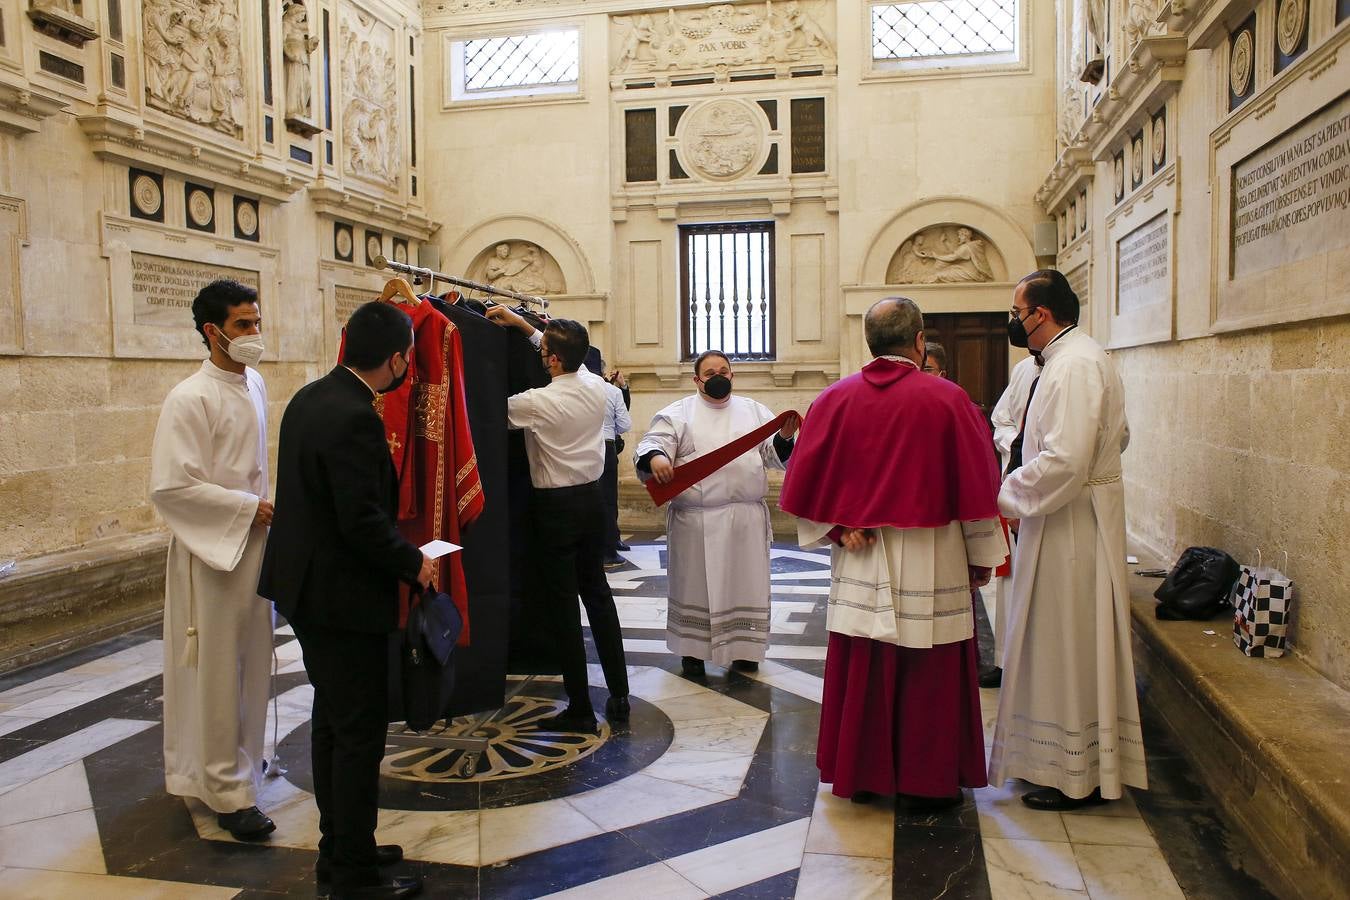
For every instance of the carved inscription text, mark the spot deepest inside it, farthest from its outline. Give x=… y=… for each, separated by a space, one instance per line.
x=1142 y=266
x=162 y=288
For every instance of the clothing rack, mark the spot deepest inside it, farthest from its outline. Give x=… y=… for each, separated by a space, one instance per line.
x=382 y=262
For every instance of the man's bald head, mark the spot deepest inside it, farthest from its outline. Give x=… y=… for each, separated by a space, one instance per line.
x=891 y=327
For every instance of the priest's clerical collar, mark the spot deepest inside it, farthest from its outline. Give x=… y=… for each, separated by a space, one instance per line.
x=900 y=359
x=1046 y=349
x=216 y=372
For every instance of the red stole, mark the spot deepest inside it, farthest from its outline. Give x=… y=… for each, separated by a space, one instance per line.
x=427 y=427
x=893 y=447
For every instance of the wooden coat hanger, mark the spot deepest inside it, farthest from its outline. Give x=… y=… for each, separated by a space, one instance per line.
x=399 y=287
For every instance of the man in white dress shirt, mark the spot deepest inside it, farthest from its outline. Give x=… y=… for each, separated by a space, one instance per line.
x=616 y=424
x=208 y=480
x=563 y=424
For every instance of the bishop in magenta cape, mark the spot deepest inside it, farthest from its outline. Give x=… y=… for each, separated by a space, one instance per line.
x=909 y=456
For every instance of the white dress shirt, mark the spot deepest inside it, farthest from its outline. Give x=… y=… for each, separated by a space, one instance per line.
x=617 y=418
x=1007 y=414
x=562 y=423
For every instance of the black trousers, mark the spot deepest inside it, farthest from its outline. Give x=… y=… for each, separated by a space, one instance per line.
x=569 y=529
x=349 y=672
x=609 y=488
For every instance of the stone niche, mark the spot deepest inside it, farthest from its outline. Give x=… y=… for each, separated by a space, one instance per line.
x=519 y=266
x=948 y=253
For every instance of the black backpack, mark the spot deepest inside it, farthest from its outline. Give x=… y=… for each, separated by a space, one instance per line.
x=1198 y=585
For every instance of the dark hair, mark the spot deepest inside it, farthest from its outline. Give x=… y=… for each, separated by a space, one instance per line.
x=891 y=325
x=568 y=340
x=594 y=361
x=1049 y=288
x=698 y=363
x=213 y=303
x=939 y=353
x=375 y=332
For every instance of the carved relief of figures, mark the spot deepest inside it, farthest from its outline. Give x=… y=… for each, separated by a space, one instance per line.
x=193 y=64
x=1095 y=11
x=370 y=112
x=1070 y=116
x=1140 y=16
x=296 y=46
x=719 y=35
x=721 y=138
x=523 y=268
x=945 y=254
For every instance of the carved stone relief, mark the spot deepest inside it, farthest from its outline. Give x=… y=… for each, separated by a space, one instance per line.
x=1290 y=23
x=946 y=254
x=371 y=111
x=296 y=46
x=1137 y=161
x=721 y=35
x=1140 y=21
x=519 y=266
x=1240 y=64
x=721 y=139
x=193 y=66
x=1070 y=116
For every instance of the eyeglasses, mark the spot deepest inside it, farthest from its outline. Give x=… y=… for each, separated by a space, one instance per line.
x=1017 y=312
x=932 y=370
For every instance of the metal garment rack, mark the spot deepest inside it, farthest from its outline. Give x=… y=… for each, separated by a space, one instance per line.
x=382 y=262
x=467 y=737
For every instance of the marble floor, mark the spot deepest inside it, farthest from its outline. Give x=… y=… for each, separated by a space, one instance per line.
x=709 y=791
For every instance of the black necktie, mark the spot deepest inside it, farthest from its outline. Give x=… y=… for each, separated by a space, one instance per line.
x=1015 y=451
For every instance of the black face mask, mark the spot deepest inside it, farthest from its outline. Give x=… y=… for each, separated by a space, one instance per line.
x=397 y=382
x=717 y=387
x=1017 y=331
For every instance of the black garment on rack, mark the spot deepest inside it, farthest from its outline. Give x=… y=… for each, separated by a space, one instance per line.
x=480 y=668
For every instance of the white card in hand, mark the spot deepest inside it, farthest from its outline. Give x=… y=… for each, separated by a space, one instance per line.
x=437 y=549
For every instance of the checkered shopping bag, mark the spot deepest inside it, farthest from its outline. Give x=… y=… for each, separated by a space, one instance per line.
x=1262 y=600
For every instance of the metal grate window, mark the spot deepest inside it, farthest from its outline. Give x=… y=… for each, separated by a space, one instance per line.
x=935 y=28
x=521 y=60
x=727 y=289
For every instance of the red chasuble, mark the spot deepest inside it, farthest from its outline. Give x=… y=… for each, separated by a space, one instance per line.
x=918 y=454
x=426 y=424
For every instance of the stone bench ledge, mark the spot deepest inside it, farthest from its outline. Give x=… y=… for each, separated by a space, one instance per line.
x=1270 y=737
x=62 y=601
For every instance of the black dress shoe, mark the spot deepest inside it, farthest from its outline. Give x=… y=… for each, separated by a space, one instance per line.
x=385 y=855
x=1055 y=800
x=622 y=546
x=991 y=677
x=389 y=888
x=614 y=560
x=569 y=722
x=246 y=824
x=692 y=666
x=915 y=803
x=745 y=665
x=617 y=709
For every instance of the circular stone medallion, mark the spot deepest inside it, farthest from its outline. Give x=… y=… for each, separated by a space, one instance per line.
x=147 y=196
x=372 y=246
x=1159 y=140
x=199 y=208
x=1290 y=24
x=400 y=253
x=1137 y=160
x=342 y=242
x=246 y=217
x=1240 y=66
x=1120 y=176
x=722 y=139
x=1082 y=216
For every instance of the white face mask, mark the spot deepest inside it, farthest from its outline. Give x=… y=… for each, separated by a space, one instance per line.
x=246 y=350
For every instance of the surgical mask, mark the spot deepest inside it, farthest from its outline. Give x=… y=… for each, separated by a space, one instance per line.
x=1017 y=331
x=246 y=349
x=397 y=382
x=717 y=387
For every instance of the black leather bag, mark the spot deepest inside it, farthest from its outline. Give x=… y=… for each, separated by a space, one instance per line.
x=428 y=675
x=1198 y=585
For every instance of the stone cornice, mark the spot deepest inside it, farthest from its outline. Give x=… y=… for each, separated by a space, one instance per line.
x=22 y=109
x=114 y=135
x=342 y=204
x=1073 y=171
x=776 y=197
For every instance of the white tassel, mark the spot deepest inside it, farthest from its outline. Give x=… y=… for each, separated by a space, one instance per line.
x=189 y=658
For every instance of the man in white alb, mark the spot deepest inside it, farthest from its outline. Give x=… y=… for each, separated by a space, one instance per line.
x=1068 y=716
x=208 y=479
x=718 y=530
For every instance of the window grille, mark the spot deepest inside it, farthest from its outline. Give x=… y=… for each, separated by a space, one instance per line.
x=521 y=60
x=944 y=28
x=727 y=289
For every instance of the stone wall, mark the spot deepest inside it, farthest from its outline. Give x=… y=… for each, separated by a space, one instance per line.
x=1243 y=442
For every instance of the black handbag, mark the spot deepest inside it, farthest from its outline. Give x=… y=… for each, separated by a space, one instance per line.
x=428 y=676
x=1198 y=585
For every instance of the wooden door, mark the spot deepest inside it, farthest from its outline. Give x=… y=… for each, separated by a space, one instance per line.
x=977 y=352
